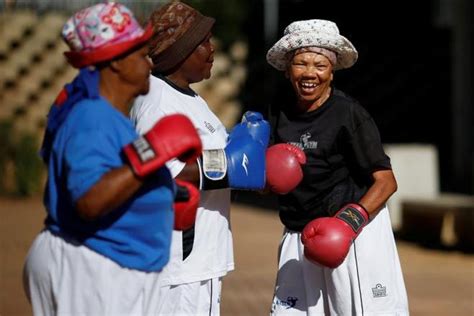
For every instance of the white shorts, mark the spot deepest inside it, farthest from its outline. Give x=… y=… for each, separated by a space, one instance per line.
x=368 y=282
x=64 y=278
x=196 y=299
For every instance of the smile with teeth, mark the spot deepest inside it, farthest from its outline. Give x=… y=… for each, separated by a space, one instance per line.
x=308 y=85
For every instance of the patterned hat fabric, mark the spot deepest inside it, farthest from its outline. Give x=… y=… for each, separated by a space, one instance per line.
x=101 y=32
x=178 y=30
x=312 y=33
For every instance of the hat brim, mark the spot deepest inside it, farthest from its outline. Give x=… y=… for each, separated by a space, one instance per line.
x=346 y=53
x=107 y=52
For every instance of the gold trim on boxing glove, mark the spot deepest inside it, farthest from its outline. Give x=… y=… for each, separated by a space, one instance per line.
x=352 y=217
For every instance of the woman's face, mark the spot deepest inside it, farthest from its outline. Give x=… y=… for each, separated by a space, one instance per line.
x=197 y=66
x=136 y=70
x=310 y=75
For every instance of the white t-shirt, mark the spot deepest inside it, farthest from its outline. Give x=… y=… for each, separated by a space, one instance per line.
x=212 y=252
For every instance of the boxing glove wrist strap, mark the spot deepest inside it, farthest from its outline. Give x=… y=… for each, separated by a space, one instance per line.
x=141 y=157
x=355 y=215
x=213 y=170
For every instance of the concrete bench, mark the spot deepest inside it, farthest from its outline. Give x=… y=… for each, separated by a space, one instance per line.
x=416 y=169
x=446 y=220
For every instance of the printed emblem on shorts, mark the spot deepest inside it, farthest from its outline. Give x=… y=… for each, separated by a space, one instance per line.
x=145 y=152
x=290 y=302
x=379 y=291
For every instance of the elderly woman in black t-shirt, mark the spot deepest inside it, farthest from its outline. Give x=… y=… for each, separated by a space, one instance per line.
x=339 y=207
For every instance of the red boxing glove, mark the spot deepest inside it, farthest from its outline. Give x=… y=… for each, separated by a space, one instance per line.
x=173 y=136
x=327 y=240
x=284 y=171
x=185 y=205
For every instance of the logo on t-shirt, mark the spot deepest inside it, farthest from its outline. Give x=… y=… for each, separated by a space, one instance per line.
x=209 y=126
x=305 y=142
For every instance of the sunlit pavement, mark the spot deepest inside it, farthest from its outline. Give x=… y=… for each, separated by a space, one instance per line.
x=438 y=282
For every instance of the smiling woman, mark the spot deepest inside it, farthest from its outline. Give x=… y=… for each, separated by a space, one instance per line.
x=340 y=204
x=310 y=74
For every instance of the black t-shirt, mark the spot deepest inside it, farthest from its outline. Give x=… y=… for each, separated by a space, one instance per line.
x=343 y=148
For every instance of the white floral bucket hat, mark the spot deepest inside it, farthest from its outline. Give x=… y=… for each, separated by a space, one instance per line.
x=312 y=33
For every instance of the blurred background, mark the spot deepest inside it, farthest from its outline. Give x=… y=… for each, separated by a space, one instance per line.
x=414 y=76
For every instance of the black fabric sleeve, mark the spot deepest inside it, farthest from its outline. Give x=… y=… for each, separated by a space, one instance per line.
x=364 y=144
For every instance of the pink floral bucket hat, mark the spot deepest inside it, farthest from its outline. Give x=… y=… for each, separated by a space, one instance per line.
x=312 y=33
x=101 y=32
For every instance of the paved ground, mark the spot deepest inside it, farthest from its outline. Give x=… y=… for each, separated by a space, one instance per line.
x=439 y=282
